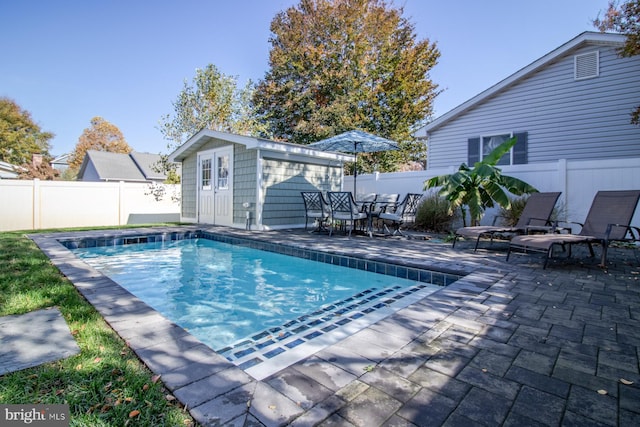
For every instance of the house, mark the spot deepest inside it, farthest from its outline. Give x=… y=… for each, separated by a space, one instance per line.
x=133 y=167
x=573 y=103
x=61 y=163
x=570 y=112
x=242 y=181
x=8 y=171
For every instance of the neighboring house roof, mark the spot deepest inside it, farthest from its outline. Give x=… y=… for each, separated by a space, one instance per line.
x=588 y=37
x=8 y=171
x=107 y=166
x=61 y=162
x=193 y=144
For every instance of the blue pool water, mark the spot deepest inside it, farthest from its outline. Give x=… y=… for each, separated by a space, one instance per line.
x=224 y=293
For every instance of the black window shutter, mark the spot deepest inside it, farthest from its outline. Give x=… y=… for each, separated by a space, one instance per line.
x=473 y=151
x=520 y=149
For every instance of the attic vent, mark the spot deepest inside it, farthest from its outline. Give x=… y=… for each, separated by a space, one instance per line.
x=587 y=65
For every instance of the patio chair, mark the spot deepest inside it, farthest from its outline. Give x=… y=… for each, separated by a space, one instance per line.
x=365 y=201
x=383 y=203
x=403 y=213
x=534 y=216
x=315 y=208
x=608 y=220
x=345 y=210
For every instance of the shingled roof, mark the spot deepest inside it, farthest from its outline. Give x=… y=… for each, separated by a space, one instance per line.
x=132 y=167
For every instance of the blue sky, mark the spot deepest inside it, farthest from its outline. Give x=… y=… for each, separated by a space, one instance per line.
x=126 y=61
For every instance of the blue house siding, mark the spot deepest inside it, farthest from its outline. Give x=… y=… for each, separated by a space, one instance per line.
x=563 y=117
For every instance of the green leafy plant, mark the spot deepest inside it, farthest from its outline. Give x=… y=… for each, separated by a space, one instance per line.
x=480 y=187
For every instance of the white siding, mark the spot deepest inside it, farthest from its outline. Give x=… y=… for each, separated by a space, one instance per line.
x=564 y=118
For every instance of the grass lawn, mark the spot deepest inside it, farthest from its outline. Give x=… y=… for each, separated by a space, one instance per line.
x=105 y=384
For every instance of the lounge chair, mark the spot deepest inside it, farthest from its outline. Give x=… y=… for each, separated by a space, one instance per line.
x=534 y=216
x=345 y=210
x=608 y=220
x=315 y=208
x=403 y=213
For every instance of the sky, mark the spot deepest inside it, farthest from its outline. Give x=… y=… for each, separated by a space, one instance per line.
x=68 y=61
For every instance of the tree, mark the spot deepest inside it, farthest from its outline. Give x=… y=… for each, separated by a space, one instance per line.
x=339 y=65
x=213 y=101
x=20 y=136
x=101 y=136
x=478 y=188
x=39 y=168
x=624 y=19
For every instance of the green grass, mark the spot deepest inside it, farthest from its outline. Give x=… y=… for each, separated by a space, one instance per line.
x=105 y=384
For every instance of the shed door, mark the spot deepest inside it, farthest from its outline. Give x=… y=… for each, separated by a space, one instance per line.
x=215 y=186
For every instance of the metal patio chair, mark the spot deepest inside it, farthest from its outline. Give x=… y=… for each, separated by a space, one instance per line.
x=344 y=210
x=403 y=213
x=316 y=208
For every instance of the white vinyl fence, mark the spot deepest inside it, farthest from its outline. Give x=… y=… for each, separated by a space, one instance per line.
x=33 y=205
x=577 y=180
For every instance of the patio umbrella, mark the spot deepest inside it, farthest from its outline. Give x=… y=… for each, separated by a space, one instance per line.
x=354 y=142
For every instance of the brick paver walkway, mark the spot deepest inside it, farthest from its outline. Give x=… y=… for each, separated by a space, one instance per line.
x=511 y=344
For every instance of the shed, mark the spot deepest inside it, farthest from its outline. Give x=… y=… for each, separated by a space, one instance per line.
x=248 y=182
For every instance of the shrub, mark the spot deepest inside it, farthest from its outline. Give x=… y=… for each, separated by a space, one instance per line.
x=435 y=213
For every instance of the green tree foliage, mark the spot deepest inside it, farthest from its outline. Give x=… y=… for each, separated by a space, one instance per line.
x=213 y=101
x=478 y=188
x=339 y=65
x=100 y=136
x=625 y=19
x=20 y=136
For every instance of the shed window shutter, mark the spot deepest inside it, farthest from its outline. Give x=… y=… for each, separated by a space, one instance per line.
x=520 y=149
x=473 y=151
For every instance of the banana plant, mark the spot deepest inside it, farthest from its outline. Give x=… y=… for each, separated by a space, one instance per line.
x=480 y=187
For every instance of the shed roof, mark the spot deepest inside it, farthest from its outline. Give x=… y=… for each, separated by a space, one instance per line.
x=193 y=145
x=588 y=37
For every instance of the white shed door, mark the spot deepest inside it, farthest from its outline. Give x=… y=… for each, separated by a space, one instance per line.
x=215 y=186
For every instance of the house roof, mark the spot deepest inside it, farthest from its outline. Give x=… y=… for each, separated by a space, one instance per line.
x=8 y=171
x=588 y=37
x=193 y=145
x=133 y=167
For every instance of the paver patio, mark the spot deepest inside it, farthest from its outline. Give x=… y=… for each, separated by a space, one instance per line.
x=509 y=344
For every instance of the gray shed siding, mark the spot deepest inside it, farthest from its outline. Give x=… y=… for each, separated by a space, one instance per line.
x=282 y=182
x=245 y=164
x=564 y=118
x=189 y=187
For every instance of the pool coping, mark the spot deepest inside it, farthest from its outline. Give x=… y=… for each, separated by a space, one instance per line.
x=197 y=375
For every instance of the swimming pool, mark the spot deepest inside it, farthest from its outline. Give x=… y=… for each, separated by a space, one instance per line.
x=256 y=294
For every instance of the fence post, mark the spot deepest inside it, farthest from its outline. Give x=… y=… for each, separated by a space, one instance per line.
x=36 y=220
x=120 y=201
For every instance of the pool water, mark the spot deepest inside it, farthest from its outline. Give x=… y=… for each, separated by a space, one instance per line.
x=223 y=293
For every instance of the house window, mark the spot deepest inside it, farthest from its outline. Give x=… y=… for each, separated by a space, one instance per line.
x=205 y=166
x=481 y=146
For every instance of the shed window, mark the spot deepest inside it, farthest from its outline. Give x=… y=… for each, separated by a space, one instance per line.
x=481 y=146
x=205 y=168
x=586 y=65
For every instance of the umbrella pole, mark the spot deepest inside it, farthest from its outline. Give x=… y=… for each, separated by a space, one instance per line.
x=355 y=174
